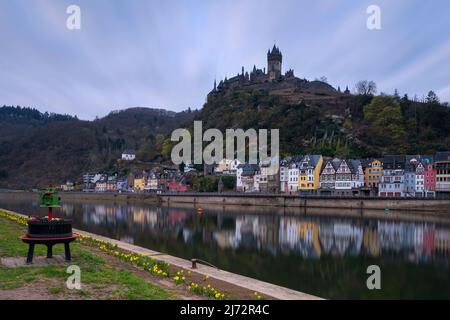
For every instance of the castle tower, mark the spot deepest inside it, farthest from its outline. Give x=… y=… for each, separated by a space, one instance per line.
x=274 y=59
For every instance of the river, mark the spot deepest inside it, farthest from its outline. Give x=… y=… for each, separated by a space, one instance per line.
x=327 y=256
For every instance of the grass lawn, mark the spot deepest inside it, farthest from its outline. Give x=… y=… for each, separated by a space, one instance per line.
x=100 y=279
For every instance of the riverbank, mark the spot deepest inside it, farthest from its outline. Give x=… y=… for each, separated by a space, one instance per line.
x=201 y=280
x=274 y=201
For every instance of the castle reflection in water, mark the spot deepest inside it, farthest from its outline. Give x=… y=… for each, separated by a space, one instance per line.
x=308 y=236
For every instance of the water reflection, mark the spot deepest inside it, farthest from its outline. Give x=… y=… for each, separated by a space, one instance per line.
x=273 y=246
x=307 y=236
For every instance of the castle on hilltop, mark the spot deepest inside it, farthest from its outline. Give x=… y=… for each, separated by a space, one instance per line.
x=267 y=80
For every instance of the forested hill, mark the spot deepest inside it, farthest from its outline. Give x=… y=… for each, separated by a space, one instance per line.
x=37 y=148
x=334 y=123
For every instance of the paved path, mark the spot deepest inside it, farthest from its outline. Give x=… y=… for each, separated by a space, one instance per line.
x=13 y=262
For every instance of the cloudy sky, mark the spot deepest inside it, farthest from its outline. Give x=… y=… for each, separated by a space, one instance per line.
x=166 y=54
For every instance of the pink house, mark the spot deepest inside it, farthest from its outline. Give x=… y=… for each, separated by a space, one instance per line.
x=429 y=180
x=178 y=185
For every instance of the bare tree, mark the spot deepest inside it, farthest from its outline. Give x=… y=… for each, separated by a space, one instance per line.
x=365 y=87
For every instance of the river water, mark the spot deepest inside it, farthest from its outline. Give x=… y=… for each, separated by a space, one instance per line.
x=327 y=256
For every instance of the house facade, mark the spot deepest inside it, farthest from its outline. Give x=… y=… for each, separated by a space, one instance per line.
x=152 y=182
x=430 y=180
x=284 y=175
x=328 y=174
x=90 y=180
x=293 y=176
x=139 y=182
x=309 y=172
x=357 y=178
x=420 y=179
x=128 y=155
x=247 y=178
x=392 y=177
x=269 y=178
x=372 y=172
x=442 y=166
x=101 y=184
x=68 y=186
x=409 y=180
x=111 y=184
x=178 y=185
x=122 y=184
x=343 y=180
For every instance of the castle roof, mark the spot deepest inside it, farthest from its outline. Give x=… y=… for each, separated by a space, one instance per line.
x=275 y=51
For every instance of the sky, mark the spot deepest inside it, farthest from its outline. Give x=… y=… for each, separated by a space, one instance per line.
x=166 y=54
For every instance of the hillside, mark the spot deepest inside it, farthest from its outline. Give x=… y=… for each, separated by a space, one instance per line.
x=38 y=149
x=330 y=122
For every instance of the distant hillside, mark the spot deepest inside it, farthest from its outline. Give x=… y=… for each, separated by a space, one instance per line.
x=37 y=149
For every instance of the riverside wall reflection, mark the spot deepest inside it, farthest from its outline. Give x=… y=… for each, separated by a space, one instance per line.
x=310 y=237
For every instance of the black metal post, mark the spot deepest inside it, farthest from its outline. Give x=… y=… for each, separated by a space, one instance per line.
x=30 y=253
x=67 y=251
x=49 y=251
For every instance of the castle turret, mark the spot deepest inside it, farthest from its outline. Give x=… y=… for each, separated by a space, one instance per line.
x=274 y=59
x=347 y=91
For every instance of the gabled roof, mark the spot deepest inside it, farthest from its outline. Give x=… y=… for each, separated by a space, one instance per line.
x=295 y=159
x=353 y=165
x=336 y=163
x=128 y=151
x=394 y=162
x=310 y=160
x=366 y=163
x=249 y=169
x=329 y=161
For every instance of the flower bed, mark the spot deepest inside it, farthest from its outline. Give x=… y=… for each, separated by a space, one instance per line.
x=154 y=266
x=14 y=217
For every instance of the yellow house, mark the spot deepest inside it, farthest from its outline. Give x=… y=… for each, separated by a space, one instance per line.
x=139 y=183
x=372 y=173
x=309 y=172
